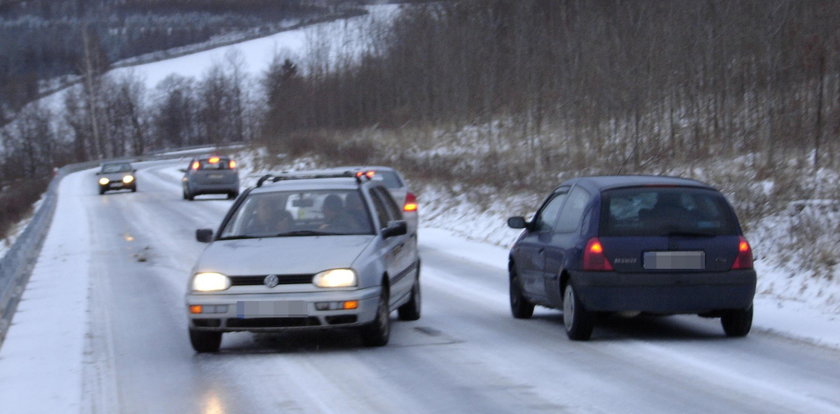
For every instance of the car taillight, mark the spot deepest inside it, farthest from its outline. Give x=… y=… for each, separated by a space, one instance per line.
x=410 y=202
x=232 y=164
x=594 y=258
x=744 y=260
x=196 y=165
x=213 y=160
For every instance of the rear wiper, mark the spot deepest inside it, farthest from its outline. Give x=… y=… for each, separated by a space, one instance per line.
x=690 y=233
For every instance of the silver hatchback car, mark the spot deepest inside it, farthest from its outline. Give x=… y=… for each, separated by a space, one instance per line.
x=303 y=250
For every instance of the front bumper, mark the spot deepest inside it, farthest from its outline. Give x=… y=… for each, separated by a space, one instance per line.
x=665 y=293
x=267 y=312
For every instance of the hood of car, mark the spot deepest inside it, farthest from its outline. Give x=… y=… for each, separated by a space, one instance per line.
x=281 y=255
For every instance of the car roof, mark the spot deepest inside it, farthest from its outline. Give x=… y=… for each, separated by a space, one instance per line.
x=609 y=182
x=333 y=183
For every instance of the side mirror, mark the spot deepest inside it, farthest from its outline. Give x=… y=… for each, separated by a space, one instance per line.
x=395 y=228
x=183 y=170
x=99 y=173
x=204 y=235
x=134 y=171
x=517 y=222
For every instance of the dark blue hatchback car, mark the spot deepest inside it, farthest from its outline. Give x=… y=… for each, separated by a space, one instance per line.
x=633 y=244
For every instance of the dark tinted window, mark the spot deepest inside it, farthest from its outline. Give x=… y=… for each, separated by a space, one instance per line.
x=110 y=168
x=572 y=212
x=663 y=211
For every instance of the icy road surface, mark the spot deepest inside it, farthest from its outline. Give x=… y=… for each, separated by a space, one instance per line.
x=121 y=263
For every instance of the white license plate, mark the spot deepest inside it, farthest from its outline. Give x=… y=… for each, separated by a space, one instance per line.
x=687 y=260
x=215 y=176
x=255 y=309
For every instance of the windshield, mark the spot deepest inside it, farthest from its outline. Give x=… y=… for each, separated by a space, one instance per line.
x=112 y=168
x=389 y=178
x=665 y=211
x=299 y=213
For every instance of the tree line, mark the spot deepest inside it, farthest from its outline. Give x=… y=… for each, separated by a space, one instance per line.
x=547 y=86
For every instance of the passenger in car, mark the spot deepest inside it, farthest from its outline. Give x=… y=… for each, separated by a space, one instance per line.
x=266 y=219
x=336 y=219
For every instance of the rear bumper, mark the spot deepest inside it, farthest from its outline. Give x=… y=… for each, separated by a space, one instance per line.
x=213 y=188
x=665 y=293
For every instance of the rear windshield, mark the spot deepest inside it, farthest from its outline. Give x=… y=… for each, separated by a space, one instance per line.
x=219 y=164
x=389 y=178
x=666 y=211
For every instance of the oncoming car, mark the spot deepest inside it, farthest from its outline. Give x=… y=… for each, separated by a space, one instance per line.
x=210 y=174
x=633 y=244
x=116 y=176
x=305 y=250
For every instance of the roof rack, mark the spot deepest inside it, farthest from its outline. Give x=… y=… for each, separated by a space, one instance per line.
x=304 y=175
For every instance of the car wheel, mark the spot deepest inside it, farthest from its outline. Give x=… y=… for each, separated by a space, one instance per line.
x=411 y=310
x=134 y=189
x=577 y=320
x=205 y=341
x=519 y=305
x=377 y=332
x=737 y=322
x=101 y=191
x=232 y=195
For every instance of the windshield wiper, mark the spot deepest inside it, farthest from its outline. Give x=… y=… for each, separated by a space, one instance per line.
x=306 y=233
x=242 y=236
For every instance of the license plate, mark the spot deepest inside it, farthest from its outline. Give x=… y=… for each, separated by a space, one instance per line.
x=256 y=309
x=215 y=176
x=691 y=260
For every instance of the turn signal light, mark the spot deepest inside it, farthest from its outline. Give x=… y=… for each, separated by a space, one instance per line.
x=744 y=260
x=410 y=202
x=594 y=258
x=194 y=309
x=196 y=165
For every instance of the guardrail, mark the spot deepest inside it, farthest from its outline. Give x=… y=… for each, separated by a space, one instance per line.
x=17 y=265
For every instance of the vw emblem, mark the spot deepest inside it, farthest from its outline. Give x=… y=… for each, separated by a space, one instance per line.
x=271 y=281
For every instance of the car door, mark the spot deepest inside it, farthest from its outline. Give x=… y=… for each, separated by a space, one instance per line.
x=563 y=240
x=396 y=251
x=529 y=253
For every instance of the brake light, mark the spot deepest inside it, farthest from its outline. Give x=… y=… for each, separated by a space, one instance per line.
x=594 y=258
x=410 y=202
x=232 y=164
x=196 y=165
x=744 y=260
x=213 y=160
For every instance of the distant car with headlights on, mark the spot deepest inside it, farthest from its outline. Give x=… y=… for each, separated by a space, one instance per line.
x=305 y=250
x=116 y=176
x=210 y=174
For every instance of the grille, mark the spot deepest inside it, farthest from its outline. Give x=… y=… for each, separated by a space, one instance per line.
x=258 y=280
x=272 y=322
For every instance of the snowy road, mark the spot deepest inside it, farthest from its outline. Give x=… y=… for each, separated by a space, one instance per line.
x=466 y=353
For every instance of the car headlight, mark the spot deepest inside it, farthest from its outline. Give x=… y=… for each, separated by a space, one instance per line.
x=210 y=282
x=128 y=179
x=104 y=181
x=334 y=278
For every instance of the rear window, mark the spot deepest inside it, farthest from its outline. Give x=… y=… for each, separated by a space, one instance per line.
x=389 y=178
x=666 y=211
x=215 y=164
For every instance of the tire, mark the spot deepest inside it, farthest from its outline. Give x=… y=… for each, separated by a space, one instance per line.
x=411 y=310
x=738 y=322
x=232 y=195
x=205 y=341
x=378 y=332
x=101 y=191
x=134 y=189
x=577 y=320
x=520 y=307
